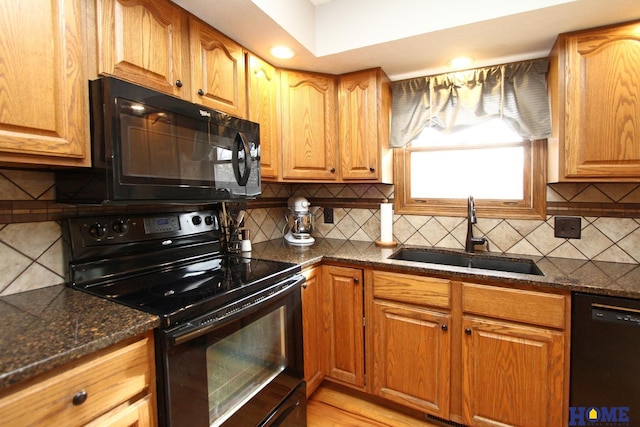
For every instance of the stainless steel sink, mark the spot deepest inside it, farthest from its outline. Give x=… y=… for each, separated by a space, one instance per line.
x=512 y=265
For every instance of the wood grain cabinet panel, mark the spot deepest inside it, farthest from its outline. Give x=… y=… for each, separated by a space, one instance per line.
x=313 y=330
x=217 y=70
x=141 y=41
x=309 y=126
x=44 y=111
x=262 y=93
x=512 y=374
x=595 y=88
x=364 y=104
x=343 y=305
x=411 y=356
x=118 y=385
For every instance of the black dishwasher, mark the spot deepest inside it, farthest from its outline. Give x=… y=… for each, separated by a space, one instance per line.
x=605 y=361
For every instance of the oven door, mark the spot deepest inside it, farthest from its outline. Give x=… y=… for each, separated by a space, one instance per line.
x=241 y=366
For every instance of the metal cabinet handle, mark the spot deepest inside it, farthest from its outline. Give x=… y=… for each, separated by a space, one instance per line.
x=332 y=170
x=200 y=92
x=445 y=327
x=179 y=83
x=356 y=280
x=80 y=397
x=467 y=331
x=372 y=169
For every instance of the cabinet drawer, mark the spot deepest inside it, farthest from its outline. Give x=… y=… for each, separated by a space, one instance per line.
x=518 y=305
x=109 y=379
x=412 y=289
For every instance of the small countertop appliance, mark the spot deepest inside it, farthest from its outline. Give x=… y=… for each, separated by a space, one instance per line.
x=299 y=222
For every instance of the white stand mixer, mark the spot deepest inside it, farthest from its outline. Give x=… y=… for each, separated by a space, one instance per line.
x=299 y=222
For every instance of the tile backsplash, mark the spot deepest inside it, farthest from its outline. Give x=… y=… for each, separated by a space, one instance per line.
x=31 y=247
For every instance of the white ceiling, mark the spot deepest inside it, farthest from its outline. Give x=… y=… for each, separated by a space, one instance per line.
x=407 y=38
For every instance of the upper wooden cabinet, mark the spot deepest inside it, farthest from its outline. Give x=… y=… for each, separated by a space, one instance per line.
x=217 y=70
x=595 y=86
x=309 y=126
x=262 y=94
x=43 y=90
x=141 y=41
x=364 y=108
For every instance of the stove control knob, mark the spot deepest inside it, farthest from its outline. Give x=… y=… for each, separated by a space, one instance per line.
x=208 y=220
x=197 y=220
x=120 y=226
x=98 y=230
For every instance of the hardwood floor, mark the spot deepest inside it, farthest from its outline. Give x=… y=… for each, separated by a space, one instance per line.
x=334 y=406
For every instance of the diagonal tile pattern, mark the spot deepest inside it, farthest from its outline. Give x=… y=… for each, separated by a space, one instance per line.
x=31 y=253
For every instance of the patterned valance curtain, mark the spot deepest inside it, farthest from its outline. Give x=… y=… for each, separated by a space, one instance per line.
x=515 y=92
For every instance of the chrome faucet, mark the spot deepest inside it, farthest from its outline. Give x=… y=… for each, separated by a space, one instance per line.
x=471 y=241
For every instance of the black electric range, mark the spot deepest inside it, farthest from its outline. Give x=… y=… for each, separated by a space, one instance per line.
x=169 y=264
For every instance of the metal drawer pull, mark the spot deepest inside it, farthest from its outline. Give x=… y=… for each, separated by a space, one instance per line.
x=80 y=397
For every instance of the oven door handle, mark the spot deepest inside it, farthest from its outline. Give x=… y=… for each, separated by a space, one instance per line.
x=205 y=324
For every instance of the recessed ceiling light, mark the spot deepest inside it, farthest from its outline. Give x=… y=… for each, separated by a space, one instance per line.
x=282 y=52
x=460 y=62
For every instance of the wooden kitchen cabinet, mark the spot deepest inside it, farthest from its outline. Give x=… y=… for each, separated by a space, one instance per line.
x=514 y=357
x=343 y=306
x=217 y=70
x=313 y=332
x=118 y=385
x=262 y=95
x=364 y=106
x=411 y=341
x=44 y=101
x=594 y=87
x=309 y=126
x=142 y=41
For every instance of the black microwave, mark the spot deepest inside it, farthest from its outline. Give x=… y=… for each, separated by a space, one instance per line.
x=149 y=147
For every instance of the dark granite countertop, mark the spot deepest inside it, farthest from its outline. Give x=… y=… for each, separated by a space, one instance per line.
x=597 y=277
x=49 y=327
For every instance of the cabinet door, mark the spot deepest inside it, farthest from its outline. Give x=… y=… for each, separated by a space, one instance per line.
x=513 y=375
x=315 y=349
x=411 y=356
x=602 y=133
x=262 y=90
x=217 y=70
x=343 y=306
x=309 y=132
x=140 y=41
x=43 y=90
x=364 y=104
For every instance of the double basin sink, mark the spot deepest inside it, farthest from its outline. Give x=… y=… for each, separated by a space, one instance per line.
x=456 y=259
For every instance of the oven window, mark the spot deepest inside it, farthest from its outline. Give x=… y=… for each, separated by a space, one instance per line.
x=241 y=364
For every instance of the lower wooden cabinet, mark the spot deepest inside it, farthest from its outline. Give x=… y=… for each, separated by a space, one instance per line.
x=411 y=356
x=113 y=387
x=313 y=330
x=512 y=374
x=514 y=357
x=343 y=306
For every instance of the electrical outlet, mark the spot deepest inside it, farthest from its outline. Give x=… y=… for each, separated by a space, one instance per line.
x=328 y=215
x=567 y=227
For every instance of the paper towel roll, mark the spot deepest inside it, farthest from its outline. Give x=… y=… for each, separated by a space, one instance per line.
x=386 y=222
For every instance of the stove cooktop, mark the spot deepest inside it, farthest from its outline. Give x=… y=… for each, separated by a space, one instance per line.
x=181 y=293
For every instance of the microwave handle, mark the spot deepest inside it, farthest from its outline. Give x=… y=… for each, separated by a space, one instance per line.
x=241 y=179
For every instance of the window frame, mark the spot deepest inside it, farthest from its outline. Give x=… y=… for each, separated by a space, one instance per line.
x=533 y=205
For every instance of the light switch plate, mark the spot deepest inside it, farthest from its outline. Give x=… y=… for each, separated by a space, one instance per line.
x=567 y=227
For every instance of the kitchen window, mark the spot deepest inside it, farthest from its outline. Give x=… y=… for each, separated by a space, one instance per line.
x=505 y=173
x=479 y=132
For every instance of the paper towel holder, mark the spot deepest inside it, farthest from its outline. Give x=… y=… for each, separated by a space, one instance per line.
x=391 y=244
